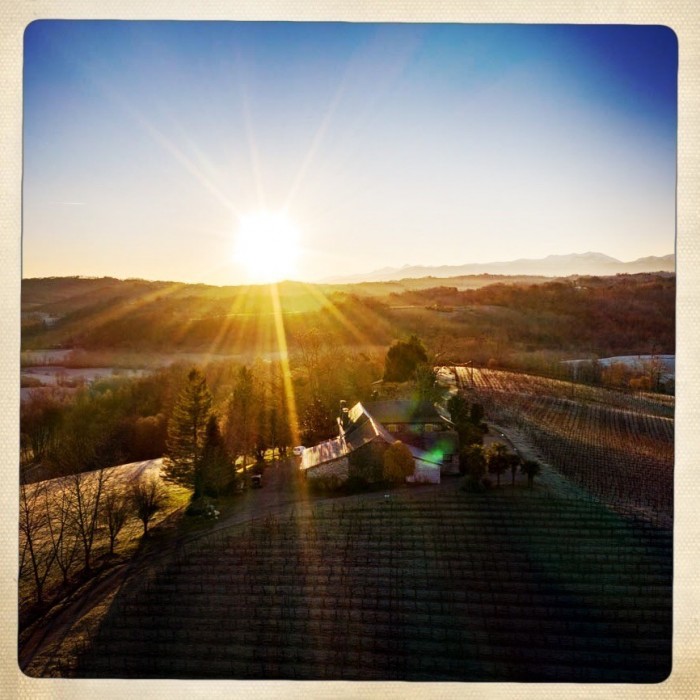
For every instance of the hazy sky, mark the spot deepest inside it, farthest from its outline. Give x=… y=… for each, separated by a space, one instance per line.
x=146 y=142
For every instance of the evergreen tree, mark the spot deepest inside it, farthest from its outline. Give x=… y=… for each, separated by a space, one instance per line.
x=402 y=359
x=187 y=432
x=240 y=423
x=218 y=473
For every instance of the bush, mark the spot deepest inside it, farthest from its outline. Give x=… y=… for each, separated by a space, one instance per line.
x=470 y=485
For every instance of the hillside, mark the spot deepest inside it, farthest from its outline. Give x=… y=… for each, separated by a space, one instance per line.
x=481 y=317
x=435 y=586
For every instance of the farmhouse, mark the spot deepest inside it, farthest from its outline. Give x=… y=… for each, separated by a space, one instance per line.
x=366 y=431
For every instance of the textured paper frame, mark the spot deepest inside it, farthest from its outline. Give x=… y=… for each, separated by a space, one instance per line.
x=681 y=15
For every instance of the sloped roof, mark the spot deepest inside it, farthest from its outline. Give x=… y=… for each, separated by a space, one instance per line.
x=363 y=429
x=342 y=446
x=405 y=412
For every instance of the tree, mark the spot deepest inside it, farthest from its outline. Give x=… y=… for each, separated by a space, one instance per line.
x=218 y=473
x=468 y=432
x=32 y=520
x=40 y=417
x=476 y=414
x=514 y=462
x=147 y=497
x=240 y=427
x=63 y=536
x=472 y=462
x=427 y=389
x=458 y=407
x=187 y=433
x=402 y=358
x=115 y=514
x=398 y=462
x=85 y=492
x=318 y=422
x=532 y=469
x=497 y=460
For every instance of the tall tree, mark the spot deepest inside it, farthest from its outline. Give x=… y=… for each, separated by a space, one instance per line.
x=187 y=433
x=402 y=358
x=32 y=521
x=427 y=388
x=85 y=492
x=469 y=433
x=218 y=473
x=240 y=424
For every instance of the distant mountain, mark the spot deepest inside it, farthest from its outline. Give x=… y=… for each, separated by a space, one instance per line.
x=551 y=266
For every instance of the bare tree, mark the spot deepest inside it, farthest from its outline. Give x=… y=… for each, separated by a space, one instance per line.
x=147 y=497
x=85 y=497
x=115 y=513
x=63 y=536
x=32 y=519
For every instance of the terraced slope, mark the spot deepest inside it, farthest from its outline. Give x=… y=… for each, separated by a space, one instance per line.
x=446 y=587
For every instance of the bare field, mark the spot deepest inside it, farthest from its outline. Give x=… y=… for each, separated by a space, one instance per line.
x=618 y=446
x=512 y=586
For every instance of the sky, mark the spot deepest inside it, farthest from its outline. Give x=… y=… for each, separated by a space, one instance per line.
x=148 y=145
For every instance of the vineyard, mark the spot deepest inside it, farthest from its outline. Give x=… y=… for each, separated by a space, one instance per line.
x=443 y=586
x=617 y=446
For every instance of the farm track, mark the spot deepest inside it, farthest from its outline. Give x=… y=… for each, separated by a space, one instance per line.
x=511 y=585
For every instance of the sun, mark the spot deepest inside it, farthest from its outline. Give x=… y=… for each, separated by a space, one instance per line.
x=267 y=246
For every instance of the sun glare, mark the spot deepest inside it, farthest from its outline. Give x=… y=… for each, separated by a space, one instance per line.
x=267 y=246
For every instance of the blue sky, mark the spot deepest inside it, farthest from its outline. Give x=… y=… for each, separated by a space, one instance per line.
x=145 y=142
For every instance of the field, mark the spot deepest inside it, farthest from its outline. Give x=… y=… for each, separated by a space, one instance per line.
x=442 y=586
x=616 y=445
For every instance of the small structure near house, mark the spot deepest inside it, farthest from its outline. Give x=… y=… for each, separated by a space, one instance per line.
x=363 y=438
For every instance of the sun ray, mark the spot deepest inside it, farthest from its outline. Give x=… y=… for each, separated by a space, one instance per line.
x=252 y=148
x=327 y=304
x=284 y=363
x=164 y=142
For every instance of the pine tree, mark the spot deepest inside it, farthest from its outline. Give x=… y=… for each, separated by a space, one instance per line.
x=218 y=474
x=240 y=425
x=187 y=433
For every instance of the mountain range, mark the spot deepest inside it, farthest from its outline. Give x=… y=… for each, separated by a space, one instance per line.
x=552 y=266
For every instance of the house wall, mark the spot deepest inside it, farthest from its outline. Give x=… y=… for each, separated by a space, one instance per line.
x=425 y=473
x=337 y=468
